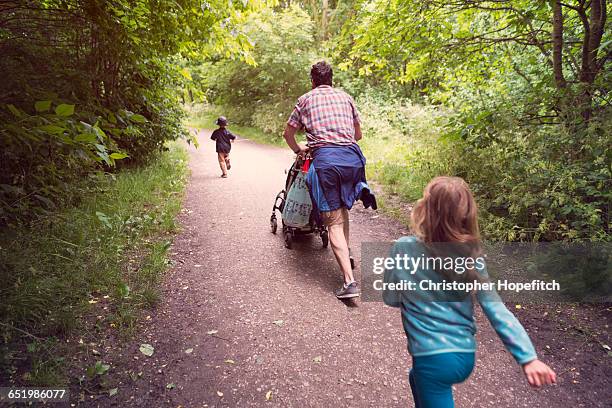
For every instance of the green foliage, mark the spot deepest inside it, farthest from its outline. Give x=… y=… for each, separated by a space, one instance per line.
x=263 y=93
x=89 y=83
x=541 y=183
x=484 y=90
x=402 y=143
x=109 y=251
x=529 y=123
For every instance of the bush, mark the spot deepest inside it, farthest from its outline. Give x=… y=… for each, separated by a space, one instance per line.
x=402 y=143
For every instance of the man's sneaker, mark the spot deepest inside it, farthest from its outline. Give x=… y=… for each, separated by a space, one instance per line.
x=346 y=292
x=224 y=176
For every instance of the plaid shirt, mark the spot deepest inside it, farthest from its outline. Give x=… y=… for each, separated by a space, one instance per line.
x=327 y=115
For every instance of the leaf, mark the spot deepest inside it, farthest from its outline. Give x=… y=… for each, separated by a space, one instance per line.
x=185 y=73
x=100 y=368
x=53 y=129
x=268 y=395
x=229 y=361
x=104 y=156
x=147 y=349
x=219 y=393
x=64 y=110
x=317 y=359
x=104 y=219
x=211 y=332
x=124 y=290
x=118 y=156
x=606 y=347
x=86 y=138
x=138 y=118
x=112 y=392
x=189 y=351
x=170 y=386
x=14 y=110
x=518 y=307
x=42 y=106
x=279 y=323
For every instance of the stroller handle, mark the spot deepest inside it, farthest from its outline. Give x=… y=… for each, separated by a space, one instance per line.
x=302 y=156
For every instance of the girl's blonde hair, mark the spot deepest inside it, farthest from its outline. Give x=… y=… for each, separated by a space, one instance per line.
x=448 y=213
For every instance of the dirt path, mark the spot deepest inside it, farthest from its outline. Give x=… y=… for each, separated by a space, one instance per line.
x=232 y=279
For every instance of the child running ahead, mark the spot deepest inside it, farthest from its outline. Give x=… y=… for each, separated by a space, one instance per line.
x=224 y=139
x=441 y=333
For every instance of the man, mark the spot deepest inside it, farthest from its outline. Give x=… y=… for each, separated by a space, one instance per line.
x=331 y=123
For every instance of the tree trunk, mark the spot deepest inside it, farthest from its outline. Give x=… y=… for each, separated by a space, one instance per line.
x=590 y=47
x=557 y=38
x=324 y=11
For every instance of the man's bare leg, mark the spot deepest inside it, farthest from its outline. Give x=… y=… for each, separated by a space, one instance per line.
x=345 y=226
x=341 y=251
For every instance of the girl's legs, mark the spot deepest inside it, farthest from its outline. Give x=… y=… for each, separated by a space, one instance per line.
x=432 y=378
x=413 y=388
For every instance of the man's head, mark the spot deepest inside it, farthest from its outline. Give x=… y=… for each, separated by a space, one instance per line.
x=321 y=74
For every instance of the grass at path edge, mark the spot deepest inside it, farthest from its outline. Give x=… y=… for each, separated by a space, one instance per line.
x=86 y=269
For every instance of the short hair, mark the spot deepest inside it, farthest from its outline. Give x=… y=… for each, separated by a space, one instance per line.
x=321 y=74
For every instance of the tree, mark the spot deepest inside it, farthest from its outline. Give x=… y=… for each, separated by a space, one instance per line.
x=264 y=93
x=416 y=41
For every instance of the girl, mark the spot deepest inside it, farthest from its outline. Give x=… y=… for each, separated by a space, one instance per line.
x=441 y=333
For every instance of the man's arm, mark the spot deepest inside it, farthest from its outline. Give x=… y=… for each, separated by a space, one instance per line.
x=358 y=134
x=289 y=136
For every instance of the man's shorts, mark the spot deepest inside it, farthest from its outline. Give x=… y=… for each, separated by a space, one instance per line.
x=334 y=217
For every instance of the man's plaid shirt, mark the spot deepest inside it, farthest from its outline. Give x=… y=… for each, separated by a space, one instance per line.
x=327 y=115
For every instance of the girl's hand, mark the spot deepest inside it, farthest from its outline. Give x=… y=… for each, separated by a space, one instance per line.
x=539 y=374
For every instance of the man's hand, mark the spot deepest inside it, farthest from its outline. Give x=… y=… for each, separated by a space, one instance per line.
x=539 y=374
x=303 y=149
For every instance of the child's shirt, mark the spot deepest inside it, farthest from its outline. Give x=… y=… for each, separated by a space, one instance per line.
x=224 y=138
x=434 y=327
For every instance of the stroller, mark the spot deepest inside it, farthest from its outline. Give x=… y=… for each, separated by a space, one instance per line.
x=291 y=229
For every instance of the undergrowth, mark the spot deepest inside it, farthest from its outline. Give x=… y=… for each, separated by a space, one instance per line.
x=108 y=251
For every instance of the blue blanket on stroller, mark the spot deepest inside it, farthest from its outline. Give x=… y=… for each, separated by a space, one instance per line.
x=336 y=178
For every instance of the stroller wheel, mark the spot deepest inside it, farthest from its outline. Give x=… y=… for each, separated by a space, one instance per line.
x=325 y=238
x=273 y=224
x=288 y=239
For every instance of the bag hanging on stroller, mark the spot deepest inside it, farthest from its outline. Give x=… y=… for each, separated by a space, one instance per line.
x=296 y=207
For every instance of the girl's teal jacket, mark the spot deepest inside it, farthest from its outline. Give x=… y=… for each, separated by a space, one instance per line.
x=435 y=327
